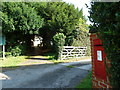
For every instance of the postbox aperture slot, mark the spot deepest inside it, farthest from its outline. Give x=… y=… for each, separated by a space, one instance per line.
x=98 y=45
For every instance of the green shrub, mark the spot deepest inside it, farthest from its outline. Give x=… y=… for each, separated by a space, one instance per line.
x=23 y=49
x=59 y=41
x=16 y=51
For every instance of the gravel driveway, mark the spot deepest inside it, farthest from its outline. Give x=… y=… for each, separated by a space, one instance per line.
x=47 y=75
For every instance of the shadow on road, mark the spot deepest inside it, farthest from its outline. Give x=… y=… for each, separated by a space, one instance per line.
x=38 y=58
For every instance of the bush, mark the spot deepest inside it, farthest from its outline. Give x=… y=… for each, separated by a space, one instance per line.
x=59 y=41
x=23 y=49
x=16 y=51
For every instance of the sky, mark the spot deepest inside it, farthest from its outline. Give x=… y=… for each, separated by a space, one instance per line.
x=81 y=4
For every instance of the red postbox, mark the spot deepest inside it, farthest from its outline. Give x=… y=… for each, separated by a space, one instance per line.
x=98 y=57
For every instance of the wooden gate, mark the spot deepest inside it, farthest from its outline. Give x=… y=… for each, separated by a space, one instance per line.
x=73 y=52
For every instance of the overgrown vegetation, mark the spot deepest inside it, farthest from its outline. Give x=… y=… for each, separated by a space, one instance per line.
x=107 y=24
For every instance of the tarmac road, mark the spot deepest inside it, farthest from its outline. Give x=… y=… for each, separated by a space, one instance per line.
x=47 y=75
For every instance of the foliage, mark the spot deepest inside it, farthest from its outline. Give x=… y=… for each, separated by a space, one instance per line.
x=80 y=36
x=83 y=40
x=81 y=25
x=22 y=20
x=16 y=51
x=18 y=16
x=59 y=17
x=69 y=40
x=19 y=22
x=59 y=41
x=107 y=23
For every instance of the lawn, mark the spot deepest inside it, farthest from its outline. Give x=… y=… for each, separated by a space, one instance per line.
x=70 y=60
x=12 y=61
x=86 y=82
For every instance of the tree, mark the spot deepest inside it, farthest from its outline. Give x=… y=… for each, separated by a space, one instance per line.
x=19 y=22
x=59 y=17
x=107 y=24
x=22 y=20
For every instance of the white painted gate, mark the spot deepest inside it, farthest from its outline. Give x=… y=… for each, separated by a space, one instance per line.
x=73 y=52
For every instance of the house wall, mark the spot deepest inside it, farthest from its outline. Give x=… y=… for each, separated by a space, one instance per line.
x=37 y=41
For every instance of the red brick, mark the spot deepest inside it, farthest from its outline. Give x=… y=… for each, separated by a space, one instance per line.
x=94 y=81
x=109 y=86
x=97 y=86
x=103 y=84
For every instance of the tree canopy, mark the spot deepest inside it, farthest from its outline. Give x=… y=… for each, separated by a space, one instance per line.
x=19 y=19
x=22 y=20
x=59 y=17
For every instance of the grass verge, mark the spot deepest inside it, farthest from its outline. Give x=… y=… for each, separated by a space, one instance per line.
x=70 y=60
x=70 y=66
x=12 y=62
x=50 y=56
x=86 y=82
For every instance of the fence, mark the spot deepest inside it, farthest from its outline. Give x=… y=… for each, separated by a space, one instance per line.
x=72 y=52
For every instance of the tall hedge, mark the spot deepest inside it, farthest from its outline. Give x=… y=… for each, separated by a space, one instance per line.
x=106 y=21
x=59 y=41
